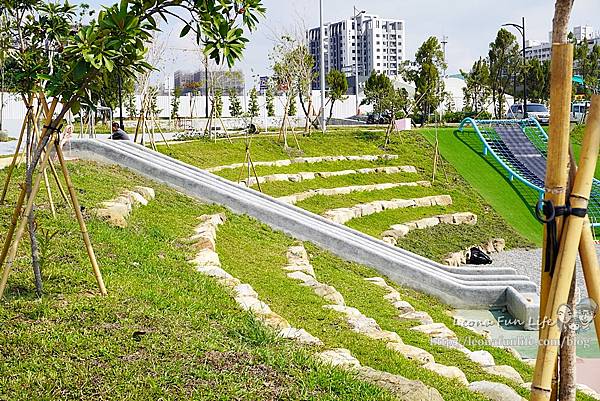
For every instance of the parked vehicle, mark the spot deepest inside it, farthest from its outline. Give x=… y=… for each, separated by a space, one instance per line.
x=579 y=111
x=534 y=110
x=377 y=118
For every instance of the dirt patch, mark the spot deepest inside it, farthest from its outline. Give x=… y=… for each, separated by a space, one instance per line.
x=272 y=384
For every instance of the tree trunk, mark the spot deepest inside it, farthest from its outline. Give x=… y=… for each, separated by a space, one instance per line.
x=330 y=111
x=560 y=23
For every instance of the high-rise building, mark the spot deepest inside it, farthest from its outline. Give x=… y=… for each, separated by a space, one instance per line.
x=543 y=50
x=226 y=81
x=380 y=46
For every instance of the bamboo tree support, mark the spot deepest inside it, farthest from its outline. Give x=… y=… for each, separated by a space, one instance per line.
x=570 y=242
x=80 y=220
x=49 y=193
x=9 y=252
x=248 y=164
x=557 y=171
x=13 y=163
x=591 y=269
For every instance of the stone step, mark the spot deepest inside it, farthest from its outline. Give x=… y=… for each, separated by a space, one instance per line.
x=343 y=215
x=308 y=160
x=398 y=231
x=307 y=175
x=295 y=198
x=116 y=211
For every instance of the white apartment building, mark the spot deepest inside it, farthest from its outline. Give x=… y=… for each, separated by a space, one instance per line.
x=381 y=46
x=543 y=50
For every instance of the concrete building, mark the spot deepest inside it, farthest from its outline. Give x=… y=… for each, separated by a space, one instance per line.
x=225 y=80
x=381 y=47
x=543 y=50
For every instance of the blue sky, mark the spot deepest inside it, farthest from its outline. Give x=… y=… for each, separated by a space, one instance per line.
x=469 y=24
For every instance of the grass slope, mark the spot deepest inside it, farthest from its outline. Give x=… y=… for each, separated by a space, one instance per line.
x=163 y=332
x=411 y=148
x=511 y=200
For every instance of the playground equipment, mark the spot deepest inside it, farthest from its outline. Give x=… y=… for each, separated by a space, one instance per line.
x=521 y=148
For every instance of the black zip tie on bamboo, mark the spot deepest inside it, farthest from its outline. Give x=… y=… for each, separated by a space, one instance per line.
x=53 y=129
x=545 y=208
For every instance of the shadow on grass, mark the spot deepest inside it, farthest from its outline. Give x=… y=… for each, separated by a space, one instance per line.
x=527 y=195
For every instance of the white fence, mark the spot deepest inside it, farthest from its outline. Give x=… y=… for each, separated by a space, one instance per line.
x=195 y=107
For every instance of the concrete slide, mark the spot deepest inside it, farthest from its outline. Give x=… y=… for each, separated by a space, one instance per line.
x=468 y=287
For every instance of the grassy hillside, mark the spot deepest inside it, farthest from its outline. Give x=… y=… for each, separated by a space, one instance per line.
x=167 y=332
x=411 y=148
x=513 y=201
x=163 y=332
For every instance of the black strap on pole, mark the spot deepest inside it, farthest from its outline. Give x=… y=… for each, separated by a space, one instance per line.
x=546 y=213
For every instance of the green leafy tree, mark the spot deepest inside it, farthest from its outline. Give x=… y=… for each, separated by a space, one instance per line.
x=253 y=108
x=70 y=67
x=175 y=103
x=377 y=88
x=538 y=80
x=235 y=106
x=338 y=86
x=587 y=65
x=130 y=106
x=218 y=103
x=426 y=73
x=293 y=109
x=386 y=100
x=270 y=100
x=504 y=63
x=477 y=89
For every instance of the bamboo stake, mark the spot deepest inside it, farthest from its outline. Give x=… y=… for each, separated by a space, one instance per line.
x=58 y=183
x=49 y=193
x=591 y=269
x=15 y=158
x=560 y=286
x=12 y=252
x=557 y=171
x=7 y=250
x=81 y=221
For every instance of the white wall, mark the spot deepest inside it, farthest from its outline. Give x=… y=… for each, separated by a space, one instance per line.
x=14 y=110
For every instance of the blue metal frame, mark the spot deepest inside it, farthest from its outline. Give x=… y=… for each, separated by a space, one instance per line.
x=511 y=172
x=487 y=148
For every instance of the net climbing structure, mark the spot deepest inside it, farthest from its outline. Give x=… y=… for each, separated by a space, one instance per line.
x=521 y=148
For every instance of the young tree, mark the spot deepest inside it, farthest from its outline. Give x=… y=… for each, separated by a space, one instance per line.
x=253 y=108
x=66 y=68
x=269 y=100
x=386 y=100
x=293 y=110
x=477 y=90
x=504 y=62
x=426 y=73
x=377 y=87
x=218 y=103
x=235 y=107
x=130 y=106
x=338 y=86
x=175 y=102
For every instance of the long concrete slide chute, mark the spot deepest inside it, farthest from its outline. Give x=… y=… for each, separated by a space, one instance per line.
x=459 y=287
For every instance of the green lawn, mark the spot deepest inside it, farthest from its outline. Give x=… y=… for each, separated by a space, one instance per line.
x=167 y=332
x=411 y=148
x=163 y=332
x=512 y=200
